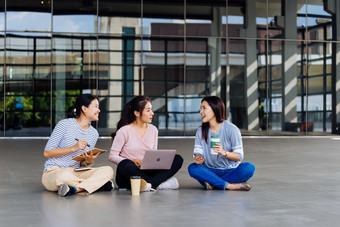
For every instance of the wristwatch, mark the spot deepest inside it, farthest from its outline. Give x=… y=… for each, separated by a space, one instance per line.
x=226 y=154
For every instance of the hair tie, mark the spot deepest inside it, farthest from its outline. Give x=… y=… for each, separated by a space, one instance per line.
x=75 y=111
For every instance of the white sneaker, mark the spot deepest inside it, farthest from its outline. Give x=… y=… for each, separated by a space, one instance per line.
x=171 y=183
x=145 y=187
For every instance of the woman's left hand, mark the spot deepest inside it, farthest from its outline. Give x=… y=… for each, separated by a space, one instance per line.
x=89 y=158
x=219 y=149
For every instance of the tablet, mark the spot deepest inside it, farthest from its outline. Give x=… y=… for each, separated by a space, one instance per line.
x=94 y=150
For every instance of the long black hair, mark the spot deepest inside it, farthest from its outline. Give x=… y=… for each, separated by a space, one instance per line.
x=218 y=108
x=82 y=100
x=128 y=116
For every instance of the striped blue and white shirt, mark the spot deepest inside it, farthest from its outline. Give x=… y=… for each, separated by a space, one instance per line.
x=231 y=141
x=64 y=135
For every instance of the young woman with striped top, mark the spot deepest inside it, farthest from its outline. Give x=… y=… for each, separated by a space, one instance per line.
x=70 y=138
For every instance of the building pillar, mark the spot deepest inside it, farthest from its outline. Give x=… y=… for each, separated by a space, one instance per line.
x=215 y=45
x=289 y=57
x=250 y=66
x=333 y=7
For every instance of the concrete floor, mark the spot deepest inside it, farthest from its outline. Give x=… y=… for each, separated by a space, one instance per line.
x=296 y=183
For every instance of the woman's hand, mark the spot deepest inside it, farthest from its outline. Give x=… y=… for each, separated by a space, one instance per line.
x=219 y=149
x=57 y=152
x=199 y=159
x=80 y=145
x=138 y=162
x=89 y=158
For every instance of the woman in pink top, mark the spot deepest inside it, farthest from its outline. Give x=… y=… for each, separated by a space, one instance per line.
x=133 y=136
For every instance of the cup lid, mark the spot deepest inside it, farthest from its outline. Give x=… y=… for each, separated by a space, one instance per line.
x=135 y=177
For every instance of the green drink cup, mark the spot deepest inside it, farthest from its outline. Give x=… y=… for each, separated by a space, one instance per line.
x=213 y=141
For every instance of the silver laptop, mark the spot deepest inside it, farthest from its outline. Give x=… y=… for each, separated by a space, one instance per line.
x=158 y=159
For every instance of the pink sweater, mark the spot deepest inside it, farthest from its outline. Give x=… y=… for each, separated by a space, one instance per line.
x=127 y=144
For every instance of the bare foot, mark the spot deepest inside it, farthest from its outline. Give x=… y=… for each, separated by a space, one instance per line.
x=240 y=186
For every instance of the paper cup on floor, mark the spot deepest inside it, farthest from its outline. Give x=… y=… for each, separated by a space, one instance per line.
x=135 y=185
x=213 y=141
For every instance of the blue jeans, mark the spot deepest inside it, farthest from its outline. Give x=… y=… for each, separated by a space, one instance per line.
x=220 y=178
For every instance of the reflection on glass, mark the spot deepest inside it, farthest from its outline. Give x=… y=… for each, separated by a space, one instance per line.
x=235 y=24
x=301 y=21
x=203 y=28
x=319 y=66
x=107 y=120
x=2 y=126
x=114 y=15
x=115 y=25
x=193 y=117
x=28 y=21
x=271 y=109
x=318 y=21
x=236 y=100
x=162 y=25
x=205 y=69
x=172 y=118
x=163 y=70
x=74 y=71
x=205 y=20
x=2 y=20
x=119 y=73
x=74 y=23
x=267 y=19
x=27 y=85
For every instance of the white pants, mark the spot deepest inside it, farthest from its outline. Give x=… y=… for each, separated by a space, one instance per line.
x=90 y=180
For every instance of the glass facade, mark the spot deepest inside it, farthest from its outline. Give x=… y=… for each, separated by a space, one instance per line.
x=274 y=64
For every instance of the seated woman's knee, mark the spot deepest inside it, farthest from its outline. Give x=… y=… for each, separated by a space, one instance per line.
x=192 y=168
x=108 y=170
x=249 y=169
x=178 y=159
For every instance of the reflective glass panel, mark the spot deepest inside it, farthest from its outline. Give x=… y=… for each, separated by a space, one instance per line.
x=205 y=75
x=205 y=20
x=120 y=77
x=2 y=15
x=318 y=89
x=36 y=16
x=28 y=21
x=236 y=55
x=74 y=61
x=301 y=21
x=292 y=85
x=163 y=78
x=2 y=125
x=318 y=21
x=274 y=17
x=74 y=23
x=234 y=20
x=78 y=17
x=114 y=15
x=166 y=19
x=270 y=86
x=28 y=85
